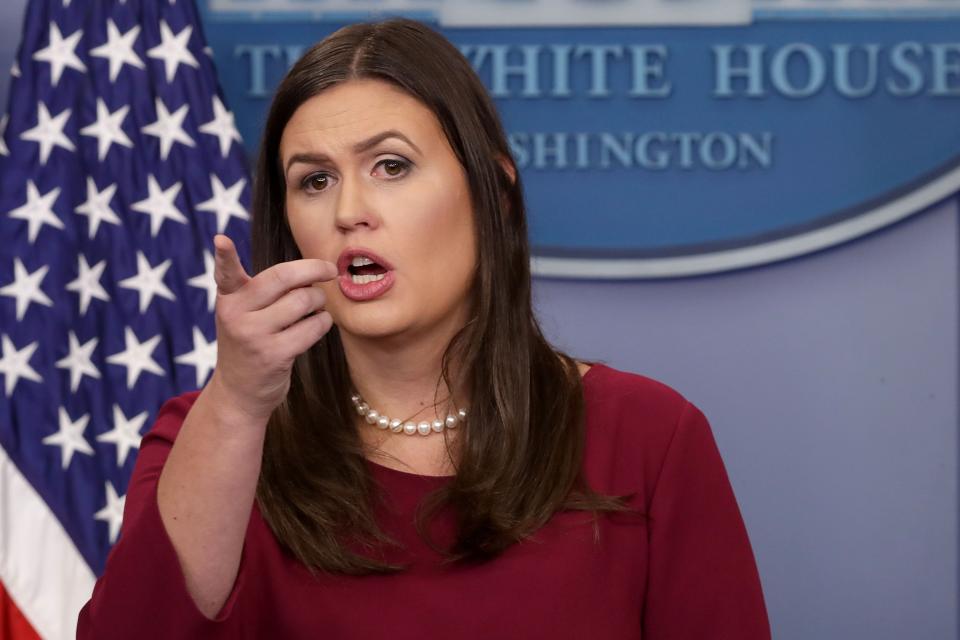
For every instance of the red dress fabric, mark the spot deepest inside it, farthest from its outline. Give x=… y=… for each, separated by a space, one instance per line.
x=689 y=573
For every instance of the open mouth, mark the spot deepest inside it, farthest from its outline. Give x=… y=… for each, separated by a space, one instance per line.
x=364 y=270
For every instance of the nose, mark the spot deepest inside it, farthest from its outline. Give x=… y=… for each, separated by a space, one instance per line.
x=353 y=207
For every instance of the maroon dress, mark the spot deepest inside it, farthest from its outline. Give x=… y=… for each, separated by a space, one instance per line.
x=687 y=573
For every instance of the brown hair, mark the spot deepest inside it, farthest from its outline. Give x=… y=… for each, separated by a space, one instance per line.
x=520 y=454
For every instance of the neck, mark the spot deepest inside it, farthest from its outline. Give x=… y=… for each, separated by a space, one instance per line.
x=403 y=380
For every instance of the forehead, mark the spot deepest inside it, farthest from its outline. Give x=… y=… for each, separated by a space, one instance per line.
x=354 y=110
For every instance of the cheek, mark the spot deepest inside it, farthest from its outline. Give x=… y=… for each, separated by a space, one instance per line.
x=462 y=230
x=451 y=241
x=305 y=227
x=447 y=211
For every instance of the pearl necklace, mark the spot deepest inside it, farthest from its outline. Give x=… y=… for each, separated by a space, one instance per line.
x=425 y=428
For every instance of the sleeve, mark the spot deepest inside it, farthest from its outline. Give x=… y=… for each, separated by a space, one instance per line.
x=142 y=592
x=702 y=577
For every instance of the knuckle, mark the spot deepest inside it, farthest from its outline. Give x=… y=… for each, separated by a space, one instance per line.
x=319 y=330
x=319 y=297
x=233 y=317
x=292 y=344
x=303 y=301
x=277 y=276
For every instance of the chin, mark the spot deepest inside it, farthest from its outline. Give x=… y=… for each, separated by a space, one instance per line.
x=369 y=325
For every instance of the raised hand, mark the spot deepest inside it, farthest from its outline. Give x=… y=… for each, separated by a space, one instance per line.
x=263 y=323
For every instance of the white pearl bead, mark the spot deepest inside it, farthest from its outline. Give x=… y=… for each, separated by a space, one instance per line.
x=424 y=428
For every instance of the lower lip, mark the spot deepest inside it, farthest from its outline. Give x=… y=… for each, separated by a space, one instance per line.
x=368 y=291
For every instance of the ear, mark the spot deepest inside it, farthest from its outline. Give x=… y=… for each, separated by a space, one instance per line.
x=506 y=163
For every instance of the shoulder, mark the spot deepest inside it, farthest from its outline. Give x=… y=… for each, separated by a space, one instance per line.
x=611 y=391
x=631 y=420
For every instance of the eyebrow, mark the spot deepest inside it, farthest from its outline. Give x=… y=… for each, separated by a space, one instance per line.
x=360 y=147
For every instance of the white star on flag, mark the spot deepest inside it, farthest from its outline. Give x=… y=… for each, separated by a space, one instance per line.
x=97 y=206
x=4 y=151
x=137 y=357
x=169 y=128
x=38 y=210
x=112 y=514
x=70 y=437
x=206 y=280
x=108 y=129
x=26 y=288
x=222 y=126
x=49 y=132
x=159 y=205
x=15 y=364
x=116 y=122
x=125 y=433
x=225 y=202
x=79 y=361
x=203 y=357
x=60 y=53
x=118 y=49
x=149 y=281
x=87 y=283
x=173 y=49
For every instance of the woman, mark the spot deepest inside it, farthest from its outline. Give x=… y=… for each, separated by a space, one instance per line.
x=385 y=357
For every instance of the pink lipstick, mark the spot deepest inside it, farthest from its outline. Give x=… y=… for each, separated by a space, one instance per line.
x=364 y=275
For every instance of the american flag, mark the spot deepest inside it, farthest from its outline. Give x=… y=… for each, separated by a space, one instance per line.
x=119 y=161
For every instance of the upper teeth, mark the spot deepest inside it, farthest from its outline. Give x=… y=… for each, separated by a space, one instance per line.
x=360 y=261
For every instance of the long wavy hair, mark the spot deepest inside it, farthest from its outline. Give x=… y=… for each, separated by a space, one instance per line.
x=519 y=457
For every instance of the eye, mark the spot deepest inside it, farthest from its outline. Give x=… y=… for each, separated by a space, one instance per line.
x=315 y=182
x=394 y=167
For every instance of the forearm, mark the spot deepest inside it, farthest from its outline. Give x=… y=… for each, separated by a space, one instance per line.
x=206 y=491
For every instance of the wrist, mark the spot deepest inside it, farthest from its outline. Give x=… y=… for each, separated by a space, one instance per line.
x=231 y=408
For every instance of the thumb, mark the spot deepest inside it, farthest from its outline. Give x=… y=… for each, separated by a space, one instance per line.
x=227 y=271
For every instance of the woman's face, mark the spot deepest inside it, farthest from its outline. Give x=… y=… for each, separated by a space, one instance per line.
x=369 y=172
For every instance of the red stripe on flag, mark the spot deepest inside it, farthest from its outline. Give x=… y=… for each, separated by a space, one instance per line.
x=13 y=626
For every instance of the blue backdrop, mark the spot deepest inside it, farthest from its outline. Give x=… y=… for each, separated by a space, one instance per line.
x=844 y=461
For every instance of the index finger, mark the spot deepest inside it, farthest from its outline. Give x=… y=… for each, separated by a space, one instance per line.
x=270 y=284
x=228 y=272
